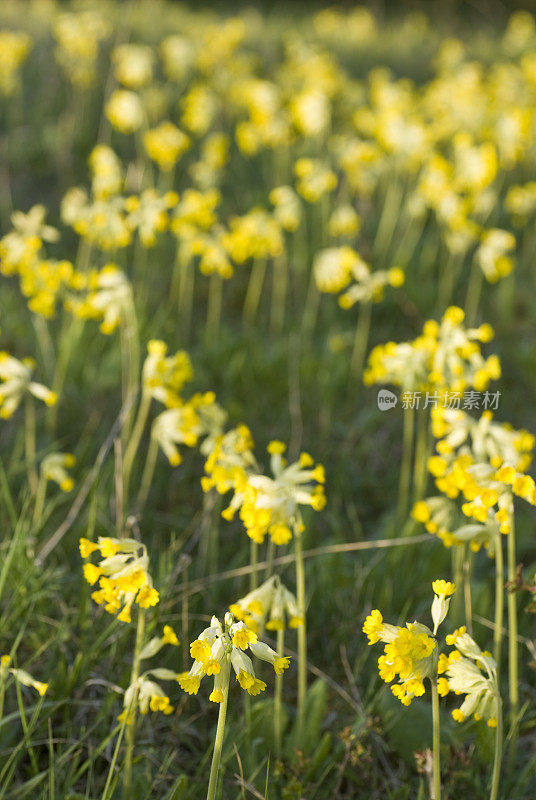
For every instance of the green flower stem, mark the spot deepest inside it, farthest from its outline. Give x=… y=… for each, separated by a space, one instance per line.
x=131 y=728
x=497 y=756
x=436 y=741
x=468 y=601
x=218 y=742
x=3 y=675
x=360 y=341
x=458 y=555
x=473 y=293
x=421 y=459
x=105 y=795
x=278 y=731
x=148 y=473
x=253 y=560
x=183 y=281
x=302 y=638
x=279 y=294
x=40 y=496
x=254 y=291
x=29 y=442
x=134 y=442
x=405 y=468
x=215 y=296
x=513 y=677
x=499 y=601
x=130 y=357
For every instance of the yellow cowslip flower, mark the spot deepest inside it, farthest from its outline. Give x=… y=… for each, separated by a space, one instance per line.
x=310 y=112
x=229 y=459
x=165 y=145
x=344 y=221
x=124 y=109
x=214 y=156
x=410 y=652
x=336 y=267
x=287 y=207
x=489 y=440
x=254 y=235
x=106 y=172
x=123 y=575
x=102 y=221
x=473 y=672
x=195 y=210
x=108 y=297
x=177 y=53
x=440 y=605
x=314 y=179
x=22 y=677
x=53 y=468
x=492 y=256
x=133 y=65
x=145 y=693
x=175 y=426
x=218 y=648
x=19 y=249
x=14 y=49
x=271 y=605
x=169 y=636
x=16 y=382
x=43 y=282
x=78 y=36
x=272 y=505
x=199 y=107
x=148 y=213
x=164 y=376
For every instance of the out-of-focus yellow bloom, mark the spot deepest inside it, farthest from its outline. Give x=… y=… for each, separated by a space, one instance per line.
x=165 y=145
x=54 y=468
x=108 y=296
x=254 y=235
x=124 y=109
x=14 y=49
x=148 y=213
x=315 y=179
x=16 y=382
x=133 y=65
x=271 y=605
x=287 y=207
x=78 y=37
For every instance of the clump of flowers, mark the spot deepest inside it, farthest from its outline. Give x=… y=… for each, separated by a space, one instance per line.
x=16 y=383
x=271 y=605
x=218 y=648
x=271 y=506
x=144 y=691
x=472 y=672
x=410 y=652
x=122 y=574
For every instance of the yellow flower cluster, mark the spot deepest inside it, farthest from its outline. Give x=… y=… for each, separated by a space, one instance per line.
x=271 y=506
x=271 y=605
x=446 y=357
x=410 y=652
x=122 y=573
x=14 y=48
x=16 y=383
x=217 y=648
x=335 y=267
x=473 y=672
